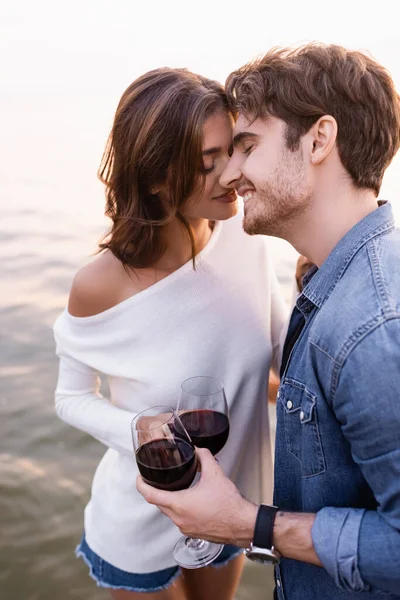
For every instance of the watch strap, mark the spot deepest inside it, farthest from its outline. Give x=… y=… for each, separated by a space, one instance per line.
x=263 y=530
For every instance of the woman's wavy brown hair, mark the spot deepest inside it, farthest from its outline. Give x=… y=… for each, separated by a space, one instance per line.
x=156 y=138
x=301 y=85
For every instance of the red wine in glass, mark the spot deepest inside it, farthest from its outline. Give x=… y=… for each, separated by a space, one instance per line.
x=165 y=454
x=207 y=428
x=167 y=464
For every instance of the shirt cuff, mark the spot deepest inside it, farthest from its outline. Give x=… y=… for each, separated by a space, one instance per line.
x=335 y=536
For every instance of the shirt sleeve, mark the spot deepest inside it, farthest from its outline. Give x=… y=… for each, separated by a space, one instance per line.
x=361 y=548
x=80 y=404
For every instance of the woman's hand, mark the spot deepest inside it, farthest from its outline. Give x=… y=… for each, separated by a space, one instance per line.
x=149 y=428
x=273 y=386
x=303 y=265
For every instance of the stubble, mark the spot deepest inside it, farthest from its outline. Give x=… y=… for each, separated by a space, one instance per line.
x=281 y=200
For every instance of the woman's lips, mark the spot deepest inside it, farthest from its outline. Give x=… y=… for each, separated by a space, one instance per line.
x=228 y=198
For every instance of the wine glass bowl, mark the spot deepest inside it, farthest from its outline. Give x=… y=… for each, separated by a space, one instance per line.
x=164 y=452
x=203 y=411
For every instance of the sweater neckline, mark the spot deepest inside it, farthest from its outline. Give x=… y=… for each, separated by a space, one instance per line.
x=155 y=287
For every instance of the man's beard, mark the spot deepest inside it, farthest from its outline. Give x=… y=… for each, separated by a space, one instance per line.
x=280 y=200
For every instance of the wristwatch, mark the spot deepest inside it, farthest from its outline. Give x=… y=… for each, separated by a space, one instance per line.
x=261 y=549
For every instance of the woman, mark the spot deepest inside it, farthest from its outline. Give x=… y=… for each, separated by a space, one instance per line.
x=179 y=290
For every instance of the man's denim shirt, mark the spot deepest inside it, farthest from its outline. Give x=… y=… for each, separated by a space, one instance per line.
x=338 y=420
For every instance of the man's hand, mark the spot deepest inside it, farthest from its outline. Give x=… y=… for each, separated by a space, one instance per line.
x=213 y=509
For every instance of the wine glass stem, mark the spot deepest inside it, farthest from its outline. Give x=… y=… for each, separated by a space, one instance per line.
x=194 y=543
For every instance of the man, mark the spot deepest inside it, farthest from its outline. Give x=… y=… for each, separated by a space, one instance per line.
x=316 y=128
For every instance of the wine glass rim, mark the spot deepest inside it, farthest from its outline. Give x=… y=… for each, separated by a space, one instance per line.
x=159 y=424
x=217 y=391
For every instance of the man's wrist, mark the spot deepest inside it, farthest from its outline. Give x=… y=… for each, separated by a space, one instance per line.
x=261 y=549
x=245 y=524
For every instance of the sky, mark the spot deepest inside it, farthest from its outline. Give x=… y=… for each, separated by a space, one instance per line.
x=116 y=40
x=65 y=65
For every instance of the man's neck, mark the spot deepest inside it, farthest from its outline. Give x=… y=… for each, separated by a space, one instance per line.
x=328 y=219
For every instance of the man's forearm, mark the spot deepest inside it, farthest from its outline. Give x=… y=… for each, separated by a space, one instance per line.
x=292 y=536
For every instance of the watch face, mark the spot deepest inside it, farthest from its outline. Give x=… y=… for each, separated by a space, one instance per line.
x=262 y=555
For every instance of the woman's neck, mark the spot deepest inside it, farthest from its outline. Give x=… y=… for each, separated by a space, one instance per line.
x=178 y=246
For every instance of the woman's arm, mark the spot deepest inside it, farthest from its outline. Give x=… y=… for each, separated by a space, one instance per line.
x=80 y=404
x=273 y=386
x=96 y=288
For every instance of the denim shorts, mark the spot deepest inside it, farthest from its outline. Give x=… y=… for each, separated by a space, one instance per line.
x=108 y=576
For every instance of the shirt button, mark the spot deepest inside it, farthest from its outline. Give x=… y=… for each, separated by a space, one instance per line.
x=289 y=404
x=278 y=395
x=278 y=583
x=301 y=416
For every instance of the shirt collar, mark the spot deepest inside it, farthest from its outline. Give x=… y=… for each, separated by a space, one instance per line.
x=319 y=283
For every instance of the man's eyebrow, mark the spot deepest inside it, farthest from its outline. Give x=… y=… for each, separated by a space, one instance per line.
x=209 y=151
x=242 y=136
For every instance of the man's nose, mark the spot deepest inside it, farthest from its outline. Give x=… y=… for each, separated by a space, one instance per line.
x=230 y=175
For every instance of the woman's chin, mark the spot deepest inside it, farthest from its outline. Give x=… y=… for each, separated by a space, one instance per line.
x=225 y=211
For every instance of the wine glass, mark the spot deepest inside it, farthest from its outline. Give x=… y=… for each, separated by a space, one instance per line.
x=165 y=454
x=203 y=411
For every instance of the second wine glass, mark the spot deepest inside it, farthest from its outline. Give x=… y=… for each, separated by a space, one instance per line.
x=203 y=411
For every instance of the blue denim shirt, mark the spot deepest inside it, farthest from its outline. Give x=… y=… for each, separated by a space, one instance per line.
x=338 y=420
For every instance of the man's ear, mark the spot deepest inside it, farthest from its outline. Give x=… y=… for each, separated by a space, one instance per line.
x=323 y=137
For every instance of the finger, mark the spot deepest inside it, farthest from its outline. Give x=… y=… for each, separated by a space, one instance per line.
x=152 y=495
x=208 y=465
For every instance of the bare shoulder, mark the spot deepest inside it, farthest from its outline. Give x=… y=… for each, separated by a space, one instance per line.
x=97 y=286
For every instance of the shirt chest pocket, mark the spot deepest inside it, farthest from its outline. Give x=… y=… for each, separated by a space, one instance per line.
x=301 y=427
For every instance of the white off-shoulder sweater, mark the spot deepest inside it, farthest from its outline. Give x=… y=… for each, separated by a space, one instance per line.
x=224 y=319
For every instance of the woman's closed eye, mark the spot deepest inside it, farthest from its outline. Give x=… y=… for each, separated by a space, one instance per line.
x=208 y=170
